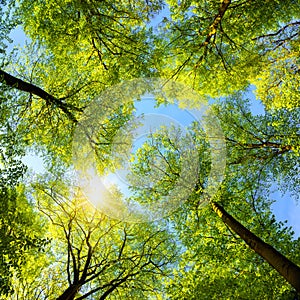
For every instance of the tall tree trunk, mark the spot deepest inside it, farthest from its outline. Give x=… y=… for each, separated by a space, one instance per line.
x=279 y=262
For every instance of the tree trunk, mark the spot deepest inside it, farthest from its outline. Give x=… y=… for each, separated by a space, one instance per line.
x=70 y=293
x=279 y=262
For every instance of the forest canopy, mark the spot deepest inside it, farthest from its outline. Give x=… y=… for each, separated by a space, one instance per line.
x=76 y=87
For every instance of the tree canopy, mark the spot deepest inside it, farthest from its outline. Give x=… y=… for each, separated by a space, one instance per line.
x=54 y=244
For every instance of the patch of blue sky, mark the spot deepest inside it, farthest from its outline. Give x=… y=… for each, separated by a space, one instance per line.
x=34 y=163
x=285 y=208
x=18 y=38
x=171 y=111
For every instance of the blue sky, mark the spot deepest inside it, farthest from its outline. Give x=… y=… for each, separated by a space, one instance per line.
x=284 y=208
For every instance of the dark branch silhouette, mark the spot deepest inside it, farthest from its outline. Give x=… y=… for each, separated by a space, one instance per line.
x=24 y=86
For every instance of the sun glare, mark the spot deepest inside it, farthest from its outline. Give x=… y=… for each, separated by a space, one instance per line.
x=104 y=193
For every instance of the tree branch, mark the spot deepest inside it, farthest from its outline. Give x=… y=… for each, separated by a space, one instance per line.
x=297 y=23
x=217 y=20
x=24 y=86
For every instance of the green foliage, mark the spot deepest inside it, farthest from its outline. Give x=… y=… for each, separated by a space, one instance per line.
x=20 y=224
x=8 y=21
x=20 y=234
x=279 y=83
x=77 y=49
x=97 y=255
x=218 y=47
x=216 y=263
x=265 y=148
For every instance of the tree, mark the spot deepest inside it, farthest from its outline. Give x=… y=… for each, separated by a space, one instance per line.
x=98 y=256
x=255 y=146
x=107 y=41
x=21 y=234
x=222 y=47
x=112 y=35
x=218 y=264
x=284 y=266
x=51 y=115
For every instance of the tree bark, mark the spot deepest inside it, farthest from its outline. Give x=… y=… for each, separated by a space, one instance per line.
x=24 y=86
x=70 y=293
x=217 y=20
x=289 y=270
